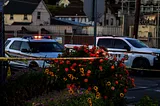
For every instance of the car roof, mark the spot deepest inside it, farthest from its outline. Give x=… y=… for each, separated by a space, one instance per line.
x=116 y=37
x=32 y=40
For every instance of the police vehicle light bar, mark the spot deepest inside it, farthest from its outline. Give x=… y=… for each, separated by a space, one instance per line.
x=37 y=37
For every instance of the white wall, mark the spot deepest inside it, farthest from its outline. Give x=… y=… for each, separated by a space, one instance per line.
x=45 y=16
x=59 y=29
x=109 y=17
x=107 y=30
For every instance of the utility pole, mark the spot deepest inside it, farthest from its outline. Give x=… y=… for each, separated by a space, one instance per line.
x=3 y=65
x=158 y=26
x=122 y=16
x=105 y=11
x=136 y=21
x=94 y=9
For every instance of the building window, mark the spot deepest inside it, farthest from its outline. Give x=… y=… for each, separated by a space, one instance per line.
x=25 y=17
x=38 y=15
x=85 y=19
x=11 y=17
x=73 y=19
x=111 y=21
x=107 y=22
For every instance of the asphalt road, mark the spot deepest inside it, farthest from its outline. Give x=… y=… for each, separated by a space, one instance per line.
x=149 y=85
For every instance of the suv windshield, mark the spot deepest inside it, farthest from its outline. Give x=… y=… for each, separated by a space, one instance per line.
x=45 y=47
x=137 y=43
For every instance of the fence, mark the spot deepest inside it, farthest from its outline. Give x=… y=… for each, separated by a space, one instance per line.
x=86 y=39
x=65 y=29
x=153 y=42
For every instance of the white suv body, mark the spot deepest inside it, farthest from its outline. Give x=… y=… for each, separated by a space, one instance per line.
x=36 y=48
x=139 y=54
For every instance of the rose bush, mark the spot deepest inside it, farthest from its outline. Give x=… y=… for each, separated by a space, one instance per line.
x=102 y=74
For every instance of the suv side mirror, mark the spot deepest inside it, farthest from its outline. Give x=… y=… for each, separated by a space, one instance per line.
x=24 y=50
x=127 y=48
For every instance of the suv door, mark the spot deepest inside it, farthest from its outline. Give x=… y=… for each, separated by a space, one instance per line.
x=120 y=50
x=25 y=51
x=14 y=51
x=107 y=43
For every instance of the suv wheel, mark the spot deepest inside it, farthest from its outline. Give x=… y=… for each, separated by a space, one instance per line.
x=33 y=66
x=142 y=64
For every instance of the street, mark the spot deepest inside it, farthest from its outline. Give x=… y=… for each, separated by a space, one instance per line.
x=149 y=85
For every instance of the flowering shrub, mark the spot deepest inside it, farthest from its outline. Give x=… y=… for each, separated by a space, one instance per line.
x=63 y=98
x=107 y=77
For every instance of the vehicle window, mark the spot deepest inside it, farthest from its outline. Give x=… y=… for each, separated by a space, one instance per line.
x=119 y=44
x=16 y=45
x=46 y=46
x=25 y=45
x=7 y=42
x=137 y=43
x=107 y=43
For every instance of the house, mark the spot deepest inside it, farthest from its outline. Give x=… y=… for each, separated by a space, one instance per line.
x=112 y=18
x=26 y=12
x=149 y=6
x=74 y=11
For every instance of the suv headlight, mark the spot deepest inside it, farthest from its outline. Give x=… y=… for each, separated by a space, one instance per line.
x=156 y=54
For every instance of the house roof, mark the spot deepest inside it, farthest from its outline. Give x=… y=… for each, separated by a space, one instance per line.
x=21 y=6
x=75 y=8
x=55 y=21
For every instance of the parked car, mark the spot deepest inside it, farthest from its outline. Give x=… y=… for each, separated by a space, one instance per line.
x=32 y=47
x=138 y=54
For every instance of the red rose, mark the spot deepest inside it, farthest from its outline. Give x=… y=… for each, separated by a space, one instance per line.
x=89 y=71
x=125 y=90
x=116 y=82
x=67 y=62
x=56 y=61
x=86 y=80
x=74 y=64
x=127 y=72
x=105 y=97
x=61 y=62
x=106 y=59
x=71 y=67
x=132 y=80
x=121 y=65
x=73 y=86
x=101 y=60
x=66 y=69
x=120 y=75
x=100 y=68
x=75 y=48
x=88 y=74
x=89 y=88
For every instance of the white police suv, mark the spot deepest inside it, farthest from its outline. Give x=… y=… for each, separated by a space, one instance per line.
x=32 y=46
x=138 y=54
